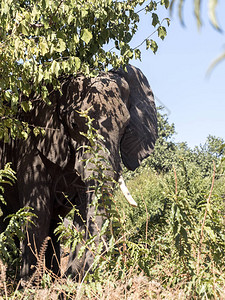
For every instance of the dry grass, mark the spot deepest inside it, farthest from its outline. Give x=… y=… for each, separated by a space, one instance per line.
x=132 y=287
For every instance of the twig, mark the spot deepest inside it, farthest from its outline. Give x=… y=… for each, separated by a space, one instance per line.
x=3 y=278
x=175 y=177
x=146 y=226
x=29 y=244
x=101 y=237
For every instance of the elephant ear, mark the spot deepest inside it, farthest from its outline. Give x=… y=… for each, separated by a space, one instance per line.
x=141 y=133
x=54 y=144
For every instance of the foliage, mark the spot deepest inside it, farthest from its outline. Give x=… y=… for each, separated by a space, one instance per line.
x=174 y=240
x=7 y=176
x=10 y=238
x=14 y=232
x=101 y=170
x=212 y=5
x=179 y=220
x=208 y=153
x=46 y=39
x=179 y=225
x=168 y=153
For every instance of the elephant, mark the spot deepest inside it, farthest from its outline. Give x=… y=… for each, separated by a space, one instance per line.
x=121 y=104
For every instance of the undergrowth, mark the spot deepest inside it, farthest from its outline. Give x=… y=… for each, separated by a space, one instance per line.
x=170 y=247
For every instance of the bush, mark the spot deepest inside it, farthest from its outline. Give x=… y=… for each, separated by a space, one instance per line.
x=180 y=222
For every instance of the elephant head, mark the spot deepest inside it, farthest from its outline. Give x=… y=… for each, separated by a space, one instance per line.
x=122 y=106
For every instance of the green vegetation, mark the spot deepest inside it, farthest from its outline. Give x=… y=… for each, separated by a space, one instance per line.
x=43 y=40
x=197 y=5
x=172 y=244
x=180 y=215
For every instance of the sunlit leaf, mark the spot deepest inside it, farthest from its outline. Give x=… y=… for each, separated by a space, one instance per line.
x=155 y=19
x=197 y=10
x=215 y=63
x=36 y=131
x=55 y=67
x=165 y=2
x=153 y=46
x=86 y=35
x=212 y=13
x=43 y=47
x=162 y=32
x=26 y=105
x=44 y=39
x=77 y=62
x=61 y=46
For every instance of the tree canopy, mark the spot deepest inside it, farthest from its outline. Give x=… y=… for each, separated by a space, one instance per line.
x=45 y=39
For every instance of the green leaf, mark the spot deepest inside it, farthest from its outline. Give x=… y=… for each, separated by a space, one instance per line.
x=137 y=54
x=128 y=37
x=43 y=47
x=61 y=45
x=24 y=134
x=84 y=13
x=76 y=38
x=26 y=105
x=65 y=66
x=55 y=67
x=152 y=5
x=40 y=74
x=45 y=3
x=44 y=92
x=17 y=44
x=77 y=63
x=152 y=45
x=155 y=19
x=46 y=74
x=212 y=13
x=197 y=4
x=36 y=131
x=210 y=232
x=86 y=35
x=161 y=32
x=168 y=21
x=24 y=29
x=70 y=19
x=215 y=63
x=180 y=11
x=166 y=3
x=42 y=131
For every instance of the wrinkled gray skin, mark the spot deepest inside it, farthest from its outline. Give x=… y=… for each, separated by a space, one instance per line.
x=123 y=107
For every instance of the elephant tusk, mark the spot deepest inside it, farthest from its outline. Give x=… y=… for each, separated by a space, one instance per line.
x=126 y=192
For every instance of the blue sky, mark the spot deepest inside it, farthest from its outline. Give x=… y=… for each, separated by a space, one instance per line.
x=194 y=102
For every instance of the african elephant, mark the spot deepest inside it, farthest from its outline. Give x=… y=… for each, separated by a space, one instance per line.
x=122 y=106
